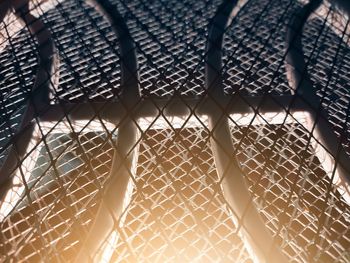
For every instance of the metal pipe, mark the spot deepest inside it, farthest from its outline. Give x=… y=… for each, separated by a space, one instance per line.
x=113 y=200
x=253 y=229
x=305 y=93
x=148 y=107
x=39 y=97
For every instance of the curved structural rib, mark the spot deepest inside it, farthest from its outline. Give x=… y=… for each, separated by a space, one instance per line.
x=113 y=199
x=305 y=92
x=38 y=101
x=254 y=231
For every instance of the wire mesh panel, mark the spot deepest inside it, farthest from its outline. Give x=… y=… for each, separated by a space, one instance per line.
x=89 y=55
x=170 y=37
x=177 y=211
x=291 y=189
x=329 y=67
x=51 y=218
x=174 y=131
x=254 y=48
x=17 y=76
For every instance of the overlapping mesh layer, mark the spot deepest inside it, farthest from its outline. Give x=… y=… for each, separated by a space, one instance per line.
x=177 y=211
x=254 y=48
x=329 y=66
x=53 y=214
x=17 y=71
x=170 y=37
x=89 y=53
x=292 y=190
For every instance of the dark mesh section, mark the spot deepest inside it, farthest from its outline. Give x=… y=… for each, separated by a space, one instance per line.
x=329 y=65
x=17 y=73
x=88 y=50
x=170 y=38
x=254 y=48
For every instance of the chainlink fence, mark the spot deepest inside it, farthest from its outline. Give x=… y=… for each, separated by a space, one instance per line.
x=174 y=131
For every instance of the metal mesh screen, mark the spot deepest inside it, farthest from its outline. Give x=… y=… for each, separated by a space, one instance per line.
x=174 y=131
x=254 y=48
x=51 y=219
x=329 y=68
x=292 y=191
x=89 y=55
x=170 y=37
x=177 y=211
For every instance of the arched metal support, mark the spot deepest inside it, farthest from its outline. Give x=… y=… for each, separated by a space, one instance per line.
x=305 y=94
x=113 y=199
x=254 y=231
x=38 y=102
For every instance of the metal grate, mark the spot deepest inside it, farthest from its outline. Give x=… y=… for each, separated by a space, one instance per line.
x=177 y=211
x=291 y=190
x=254 y=48
x=50 y=221
x=174 y=131
x=170 y=38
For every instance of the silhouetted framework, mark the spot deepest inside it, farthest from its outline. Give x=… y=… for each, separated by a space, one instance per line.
x=174 y=131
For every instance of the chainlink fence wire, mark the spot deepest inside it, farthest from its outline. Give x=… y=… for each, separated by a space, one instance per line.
x=113 y=118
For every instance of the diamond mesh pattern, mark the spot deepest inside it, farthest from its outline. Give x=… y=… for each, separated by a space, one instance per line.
x=88 y=48
x=254 y=48
x=49 y=222
x=329 y=68
x=292 y=191
x=170 y=38
x=178 y=211
x=17 y=67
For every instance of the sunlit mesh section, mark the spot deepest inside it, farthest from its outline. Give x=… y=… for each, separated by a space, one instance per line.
x=295 y=196
x=177 y=212
x=54 y=207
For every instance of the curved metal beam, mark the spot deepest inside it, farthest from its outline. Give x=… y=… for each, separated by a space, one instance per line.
x=256 y=236
x=296 y=68
x=113 y=200
x=129 y=66
x=305 y=93
x=38 y=101
x=213 y=59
